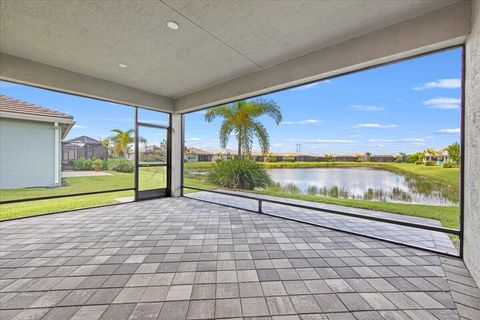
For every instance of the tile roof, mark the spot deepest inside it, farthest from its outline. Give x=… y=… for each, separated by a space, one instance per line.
x=11 y=105
x=83 y=139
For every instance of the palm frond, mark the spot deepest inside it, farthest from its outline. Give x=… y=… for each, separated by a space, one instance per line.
x=225 y=111
x=262 y=136
x=224 y=134
x=260 y=107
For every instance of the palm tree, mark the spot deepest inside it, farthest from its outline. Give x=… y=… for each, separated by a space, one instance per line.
x=241 y=119
x=122 y=139
x=106 y=144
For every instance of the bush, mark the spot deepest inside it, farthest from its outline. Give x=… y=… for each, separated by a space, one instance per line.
x=104 y=165
x=239 y=174
x=97 y=164
x=124 y=166
x=430 y=163
x=81 y=164
x=450 y=164
x=412 y=158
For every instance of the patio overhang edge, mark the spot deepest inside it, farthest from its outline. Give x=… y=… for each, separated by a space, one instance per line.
x=36 y=74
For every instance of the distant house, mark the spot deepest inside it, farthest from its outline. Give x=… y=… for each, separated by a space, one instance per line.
x=82 y=146
x=30 y=144
x=382 y=158
x=196 y=154
x=439 y=158
x=345 y=158
x=306 y=157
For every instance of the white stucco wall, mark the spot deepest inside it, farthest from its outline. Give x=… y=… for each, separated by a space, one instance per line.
x=472 y=146
x=27 y=157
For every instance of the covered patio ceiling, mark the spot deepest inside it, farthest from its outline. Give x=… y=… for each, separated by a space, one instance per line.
x=214 y=56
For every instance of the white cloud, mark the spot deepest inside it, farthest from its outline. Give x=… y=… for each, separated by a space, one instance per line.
x=194 y=139
x=443 y=103
x=310 y=85
x=321 y=141
x=449 y=131
x=440 y=83
x=414 y=140
x=303 y=122
x=355 y=136
x=78 y=126
x=366 y=108
x=380 y=140
x=375 y=125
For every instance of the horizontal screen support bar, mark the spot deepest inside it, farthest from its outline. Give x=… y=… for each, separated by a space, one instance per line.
x=65 y=195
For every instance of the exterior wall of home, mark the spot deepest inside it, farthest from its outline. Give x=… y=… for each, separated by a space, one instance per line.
x=27 y=157
x=472 y=147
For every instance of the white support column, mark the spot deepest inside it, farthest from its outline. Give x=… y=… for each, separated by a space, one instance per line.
x=176 y=157
x=471 y=163
x=56 y=144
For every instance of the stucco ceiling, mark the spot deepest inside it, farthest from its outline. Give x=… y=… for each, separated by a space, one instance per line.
x=217 y=40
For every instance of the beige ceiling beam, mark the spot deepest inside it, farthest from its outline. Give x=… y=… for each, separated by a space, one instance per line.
x=44 y=76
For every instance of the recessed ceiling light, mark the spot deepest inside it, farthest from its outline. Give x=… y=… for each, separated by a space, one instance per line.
x=122 y=65
x=172 y=25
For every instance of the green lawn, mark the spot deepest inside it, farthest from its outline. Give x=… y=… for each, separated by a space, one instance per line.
x=150 y=178
x=32 y=208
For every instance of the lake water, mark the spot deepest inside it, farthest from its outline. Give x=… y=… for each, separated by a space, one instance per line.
x=362 y=183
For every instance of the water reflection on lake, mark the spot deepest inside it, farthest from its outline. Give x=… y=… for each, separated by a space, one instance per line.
x=363 y=183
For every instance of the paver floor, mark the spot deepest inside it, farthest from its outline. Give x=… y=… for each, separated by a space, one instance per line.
x=178 y=258
x=419 y=237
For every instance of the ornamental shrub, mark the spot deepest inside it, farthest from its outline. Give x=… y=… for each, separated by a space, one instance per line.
x=239 y=174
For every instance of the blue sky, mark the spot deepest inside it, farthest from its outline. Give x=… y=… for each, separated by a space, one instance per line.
x=92 y=117
x=403 y=107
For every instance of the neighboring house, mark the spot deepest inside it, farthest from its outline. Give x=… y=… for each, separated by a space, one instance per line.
x=196 y=154
x=306 y=157
x=345 y=158
x=438 y=158
x=382 y=158
x=30 y=144
x=82 y=146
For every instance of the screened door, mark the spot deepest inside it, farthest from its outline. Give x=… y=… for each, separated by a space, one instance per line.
x=152 y=161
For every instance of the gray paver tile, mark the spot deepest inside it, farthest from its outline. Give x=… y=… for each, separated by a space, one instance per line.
x=354 y=302
x=201 y=309
x=305 y=304
x=280 y=305
x=203 y=291
x=182 y=292
x=29 y=314
x=118 y=312
x=273 y=288
x=329 y=303
x=146 y=311
x=227 y=290
x=254 y=307
x=89 y=312
x=228 y=308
